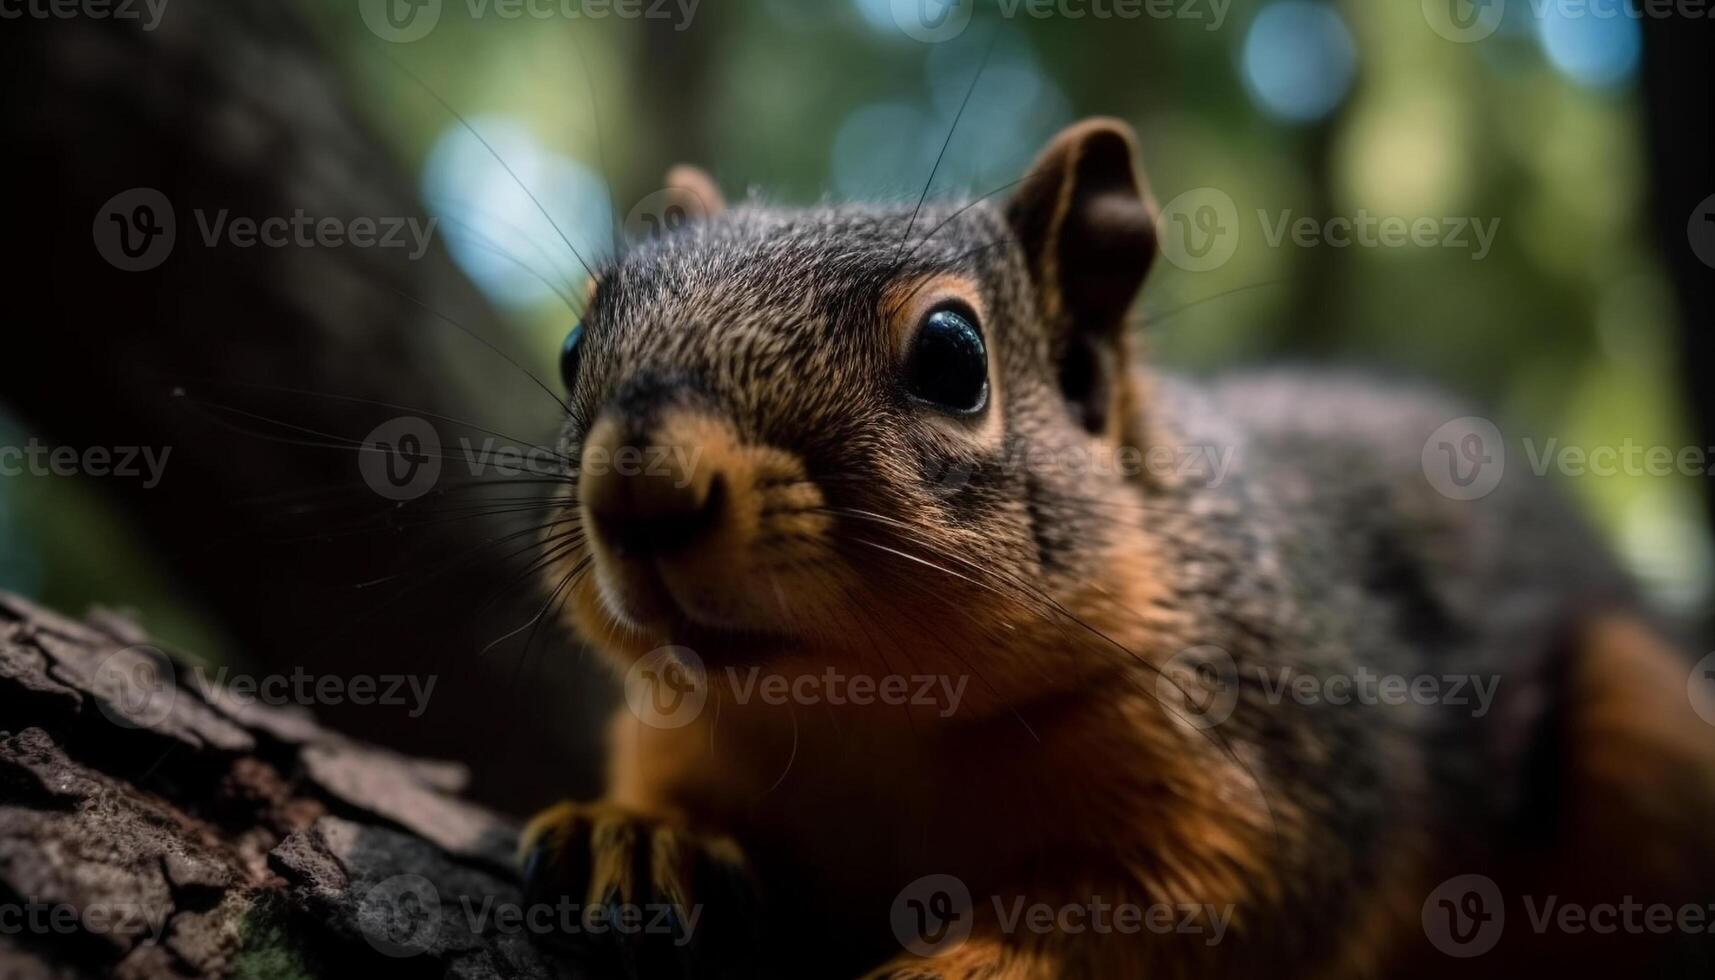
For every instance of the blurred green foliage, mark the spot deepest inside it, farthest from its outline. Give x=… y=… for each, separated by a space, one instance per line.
x=1566 y=328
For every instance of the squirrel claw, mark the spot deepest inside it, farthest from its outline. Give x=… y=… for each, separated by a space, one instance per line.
x=640 y=895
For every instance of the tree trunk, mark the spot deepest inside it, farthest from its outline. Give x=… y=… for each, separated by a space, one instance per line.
x=1682 y=183
x=228 y=110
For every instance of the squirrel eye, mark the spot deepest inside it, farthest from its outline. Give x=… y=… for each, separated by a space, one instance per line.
x=948 y=364
x=569 y=353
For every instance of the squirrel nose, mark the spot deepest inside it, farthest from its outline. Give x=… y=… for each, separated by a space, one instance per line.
x=647 y=499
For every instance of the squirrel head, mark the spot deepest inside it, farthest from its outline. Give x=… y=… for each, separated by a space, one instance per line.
x=849 y=437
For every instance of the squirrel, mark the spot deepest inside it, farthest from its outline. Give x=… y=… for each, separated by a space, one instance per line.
x=892 y=431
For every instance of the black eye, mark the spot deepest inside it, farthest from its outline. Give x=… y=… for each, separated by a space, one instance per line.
x=948 y=364
x=569 y=356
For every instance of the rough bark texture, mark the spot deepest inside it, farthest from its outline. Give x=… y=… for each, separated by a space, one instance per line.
x=151 y=828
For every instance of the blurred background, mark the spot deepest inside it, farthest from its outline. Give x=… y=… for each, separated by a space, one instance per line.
x=1578 y=133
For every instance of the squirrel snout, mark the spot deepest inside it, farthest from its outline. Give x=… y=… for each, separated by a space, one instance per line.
x=650 y=495
x=675 y=502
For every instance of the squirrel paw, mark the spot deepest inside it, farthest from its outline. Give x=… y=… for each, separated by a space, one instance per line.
x=640 y=895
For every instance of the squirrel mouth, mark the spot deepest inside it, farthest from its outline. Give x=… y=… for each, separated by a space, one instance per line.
x=640 y=594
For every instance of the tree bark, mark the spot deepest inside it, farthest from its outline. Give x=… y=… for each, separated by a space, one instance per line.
x=155 y=825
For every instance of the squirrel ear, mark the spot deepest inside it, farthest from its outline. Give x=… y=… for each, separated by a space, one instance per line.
x=1087 y=226
x=693 y=181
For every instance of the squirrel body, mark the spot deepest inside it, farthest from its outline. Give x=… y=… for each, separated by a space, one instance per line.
x=1264 y=693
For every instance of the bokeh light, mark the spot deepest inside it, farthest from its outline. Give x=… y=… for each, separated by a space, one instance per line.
x=1299 y=60
x=495 y=231
x=1014 y=110
x=880 y=149
x=888 y=150
x=878 y=14
x=1568 y=327
x=1595 y=45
